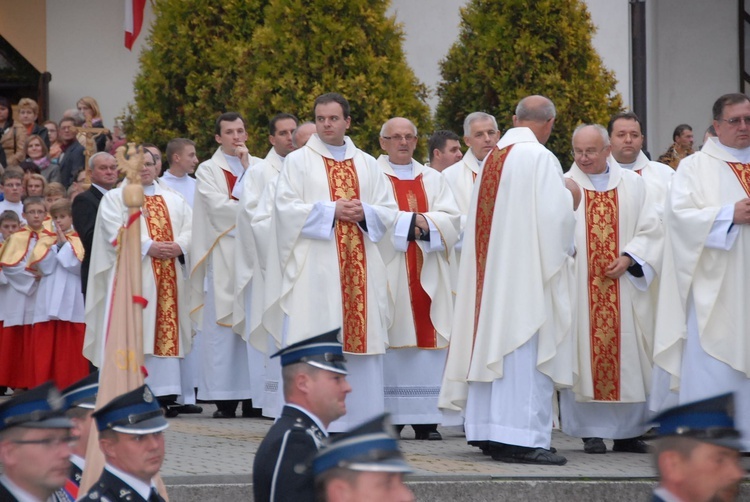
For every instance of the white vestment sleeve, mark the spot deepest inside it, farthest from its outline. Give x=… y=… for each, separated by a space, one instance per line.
x=145 y=246
x=20 y=279
x=401 y=232
x=68 y=260
x=239 y=186
x=48 y=264
x=436 y=243
x=319 y=223
x=649 y=274
x=375 y=228
x=460 y=242
x=723 y=233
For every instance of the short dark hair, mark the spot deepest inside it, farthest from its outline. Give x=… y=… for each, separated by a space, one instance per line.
x=734 y=98
x=5 y=103
x=9 y=214
x=333 y=97
x=623 y=116
x=29 y=201
x=176 y=145
x=679 y=130
x=438 y=139
x=280 y=116
x=12 y=174
x=77 y=121
x=226 y=117
x=29 y=166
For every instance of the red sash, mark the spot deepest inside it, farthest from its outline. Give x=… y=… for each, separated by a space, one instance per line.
x=742 y=171
x=343 y=183
x=231 y=180
x=602 y=248
x=167 y=336
x=488 y=187
x=411 y=197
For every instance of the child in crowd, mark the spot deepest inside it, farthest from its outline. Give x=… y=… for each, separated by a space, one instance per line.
x=52 y=193
x=16 y=344
x=58 y=327
x=9 y=223
x=13 y=191
x=35 y=185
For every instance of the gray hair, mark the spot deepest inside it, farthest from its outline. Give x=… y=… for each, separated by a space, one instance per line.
x=96 y=156
x=385 y=126
x=599 y=128
x=473 y=117
x=542 y=111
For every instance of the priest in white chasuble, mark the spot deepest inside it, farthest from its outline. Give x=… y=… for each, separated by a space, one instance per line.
x=226 y=374
x=703 y=321
x=619 y=249
x=165 y=224
x=416 y=252
x=332 y=206
x=511 y=340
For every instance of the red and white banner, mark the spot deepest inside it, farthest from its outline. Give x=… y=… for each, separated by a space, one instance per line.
x=133 y=21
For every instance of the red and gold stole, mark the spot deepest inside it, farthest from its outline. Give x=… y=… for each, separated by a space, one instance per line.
x=602 y=248
x=343 y=183
x=17 y=246
x=488 y=187
x=231 y=181
x=742 y=171
x=411 y=197
x=167 y=336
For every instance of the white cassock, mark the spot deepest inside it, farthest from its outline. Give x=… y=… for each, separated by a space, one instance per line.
x=703 y=320
x=249 y=295
x=413 y=365
x=305 y=274
x=615 y=322
x=506 y=356
x=163 y=371
x=184 y=185
x=461 y=177
x=225 y=370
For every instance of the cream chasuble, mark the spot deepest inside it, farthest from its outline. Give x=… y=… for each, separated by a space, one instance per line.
x=657 y=176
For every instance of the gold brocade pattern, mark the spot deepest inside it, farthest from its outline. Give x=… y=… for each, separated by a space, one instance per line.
x=344 y=184
x=488 y=187
x=602 y=247
x=167 y=336
x=742 y=171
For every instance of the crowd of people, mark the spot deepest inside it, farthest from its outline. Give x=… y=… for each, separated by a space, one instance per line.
x=592 y=289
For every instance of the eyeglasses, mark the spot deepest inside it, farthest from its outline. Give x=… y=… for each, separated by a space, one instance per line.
x=50 y=442
x=398 y=138
x=735 y=121
x=590 y=153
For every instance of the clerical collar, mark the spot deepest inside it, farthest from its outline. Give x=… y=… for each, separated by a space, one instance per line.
x=149 y=190
x=143 y=489
x=234 y=164
x=338 y=152
x=630 y=165
x=19 y=493
x=403 y=172
x=170 y=174
x=311 y=415
x=600 y=180
x=741 y=154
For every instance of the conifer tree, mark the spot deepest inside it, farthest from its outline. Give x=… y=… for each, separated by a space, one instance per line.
x=309 y=47
x=195 y=55
x=513 y=48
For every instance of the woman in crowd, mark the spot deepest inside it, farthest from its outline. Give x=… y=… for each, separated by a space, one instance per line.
x=12 y=136
x=36 y=151
x=55 y=149
x=35 y=185
x=28 y=112
x=89 y=108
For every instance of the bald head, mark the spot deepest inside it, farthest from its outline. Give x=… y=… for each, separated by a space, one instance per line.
x=302 y=134
x=538 y=114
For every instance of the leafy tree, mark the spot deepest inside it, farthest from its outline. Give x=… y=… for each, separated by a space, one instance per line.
x=308 y=47
x=195 y=56
x=512 y=48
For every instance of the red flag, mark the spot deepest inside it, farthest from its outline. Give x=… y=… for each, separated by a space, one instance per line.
x=133 y=21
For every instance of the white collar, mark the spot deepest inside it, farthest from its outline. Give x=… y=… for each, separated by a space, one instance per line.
x=141 y=488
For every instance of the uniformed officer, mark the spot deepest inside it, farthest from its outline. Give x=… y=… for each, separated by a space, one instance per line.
x=80 y=399
x=35 y=445
x=315 y=389
x=131 y=436
x=362 y=465
x=698 y=452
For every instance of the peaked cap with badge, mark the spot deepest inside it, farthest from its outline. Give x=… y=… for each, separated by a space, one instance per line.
x=82 y=394
x=135 y=412
x=323 y=351
x=40 y=408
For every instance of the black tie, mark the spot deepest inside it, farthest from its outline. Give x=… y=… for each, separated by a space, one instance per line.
x=154 y=497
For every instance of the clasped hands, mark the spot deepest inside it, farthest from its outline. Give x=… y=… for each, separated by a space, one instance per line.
x=349 y=210
x=164 y=250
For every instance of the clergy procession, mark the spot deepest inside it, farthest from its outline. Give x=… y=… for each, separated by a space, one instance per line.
x=322 y=286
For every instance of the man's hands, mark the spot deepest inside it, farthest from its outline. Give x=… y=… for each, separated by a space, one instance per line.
x=349 y=210
x=241 y=152
x=618 y=267
x=164 y=250
x=575 y=190
x=742 y=212
x=421 y=226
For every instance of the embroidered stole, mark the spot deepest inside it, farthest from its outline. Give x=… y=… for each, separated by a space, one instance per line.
x=488 y=187
x=602 y=248
x=742 y=171
x=344 y=184
x=231 y=181
x=167 y=335
x=411 y=197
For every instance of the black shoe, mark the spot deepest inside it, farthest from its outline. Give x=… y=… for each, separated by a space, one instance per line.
x=187 y=408
x=170 y=411
x=594 y=445
x=223 y=414
x=428 y=435
x=631 y=445
x=523 y=455
x=482 y=445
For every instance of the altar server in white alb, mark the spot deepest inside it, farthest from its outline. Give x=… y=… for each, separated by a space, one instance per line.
x=225 y=370
x=619 y=248
x=416 y=252
x=165 y=225
x=332 y=206
x=511 y=339
x=703 y=322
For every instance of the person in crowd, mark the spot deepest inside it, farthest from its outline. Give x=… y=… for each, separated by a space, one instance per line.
x=444 y=150
x=80 y=400
x=77 y=186
x=13 y=192
x=55 y=149
x=35 y=185
x=88 y=108
x=36 y=151
x=681 y=148
x=53 y=192
x=182 y=161
x=12 y=136
x=28 y=114
x=72 y=158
